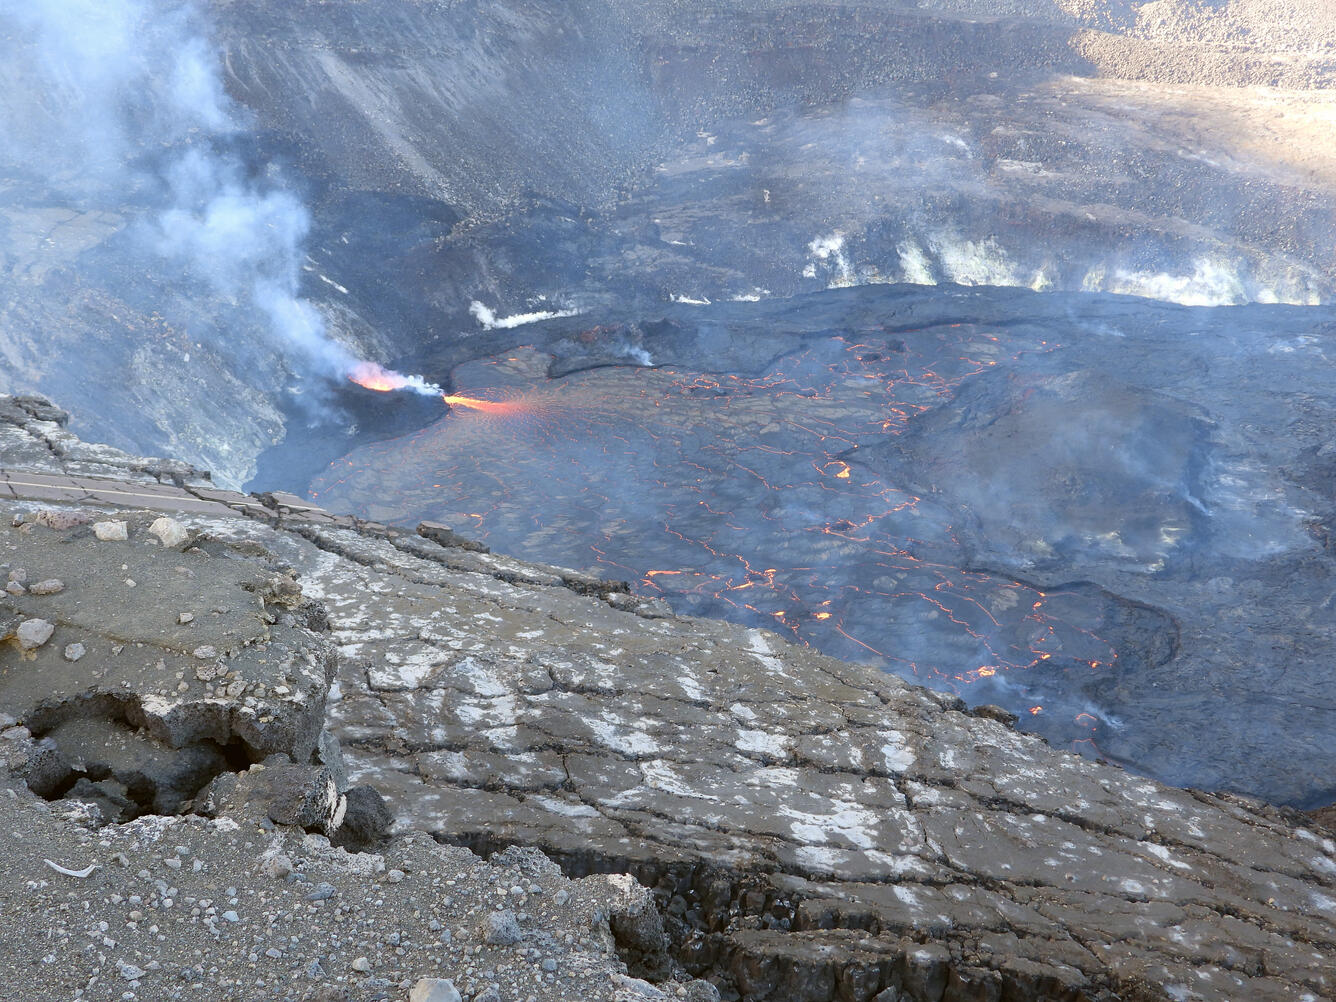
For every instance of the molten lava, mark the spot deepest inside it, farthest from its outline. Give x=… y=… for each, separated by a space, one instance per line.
x=377 y=377
x=734 y=496
x=486 y=406
x=373 y=377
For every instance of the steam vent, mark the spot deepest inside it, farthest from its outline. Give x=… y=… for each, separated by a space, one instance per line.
x=674 y=501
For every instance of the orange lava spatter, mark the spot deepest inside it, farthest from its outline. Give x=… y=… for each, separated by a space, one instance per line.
x=486 y=406
x=375 y=381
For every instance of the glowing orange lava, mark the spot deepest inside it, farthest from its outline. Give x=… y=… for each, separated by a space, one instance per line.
x=486 y=406
x=373 y=379
x=376 y=377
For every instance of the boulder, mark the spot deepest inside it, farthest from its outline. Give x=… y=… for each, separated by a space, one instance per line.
x=434 y=990
x=33 y=633
x=366 y=821
x=171 y=533
x=110 y=531
x=280 y=790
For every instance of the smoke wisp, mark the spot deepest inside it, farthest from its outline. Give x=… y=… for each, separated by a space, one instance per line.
x=121 y=106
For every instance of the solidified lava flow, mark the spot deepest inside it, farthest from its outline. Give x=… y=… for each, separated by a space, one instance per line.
x=745 y=498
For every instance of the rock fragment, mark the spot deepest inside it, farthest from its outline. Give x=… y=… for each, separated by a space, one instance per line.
x=635 y=990
x=328 y=752
x=443 y=535
x=702 y=991
x=73 y=652
x=530 y=860
x=285 y=792
x=323 y=892
x=33 y=633
x=366 y=822
x=110 y=531
x=637 y=925
x=434 y=990
x=61 y=520
x=502 y=929
x=51 y=586
x=170 y=532
x=276 y=866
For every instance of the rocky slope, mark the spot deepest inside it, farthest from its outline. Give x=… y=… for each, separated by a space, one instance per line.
x=808 y=829
x=164 y=690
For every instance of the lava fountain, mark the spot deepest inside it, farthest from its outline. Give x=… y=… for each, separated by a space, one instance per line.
x=498 y=407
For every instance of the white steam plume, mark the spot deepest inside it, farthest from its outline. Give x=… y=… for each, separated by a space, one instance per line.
x=376 y=377
x=116 y=102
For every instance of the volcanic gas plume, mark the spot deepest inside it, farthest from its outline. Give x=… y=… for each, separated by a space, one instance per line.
x=374 y=376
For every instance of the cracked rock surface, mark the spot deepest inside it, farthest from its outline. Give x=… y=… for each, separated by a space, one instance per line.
x=34 y=436
x=242 y=669
x=172 y=720
x=813 y=827
x=810 y=829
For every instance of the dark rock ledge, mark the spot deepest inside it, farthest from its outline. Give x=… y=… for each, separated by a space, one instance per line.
x=809 y=829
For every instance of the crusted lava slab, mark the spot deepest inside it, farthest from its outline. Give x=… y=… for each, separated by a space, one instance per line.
x=813 y=827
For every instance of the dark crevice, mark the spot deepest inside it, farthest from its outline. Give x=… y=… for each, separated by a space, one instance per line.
x=758 y=943
x=96 y=751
